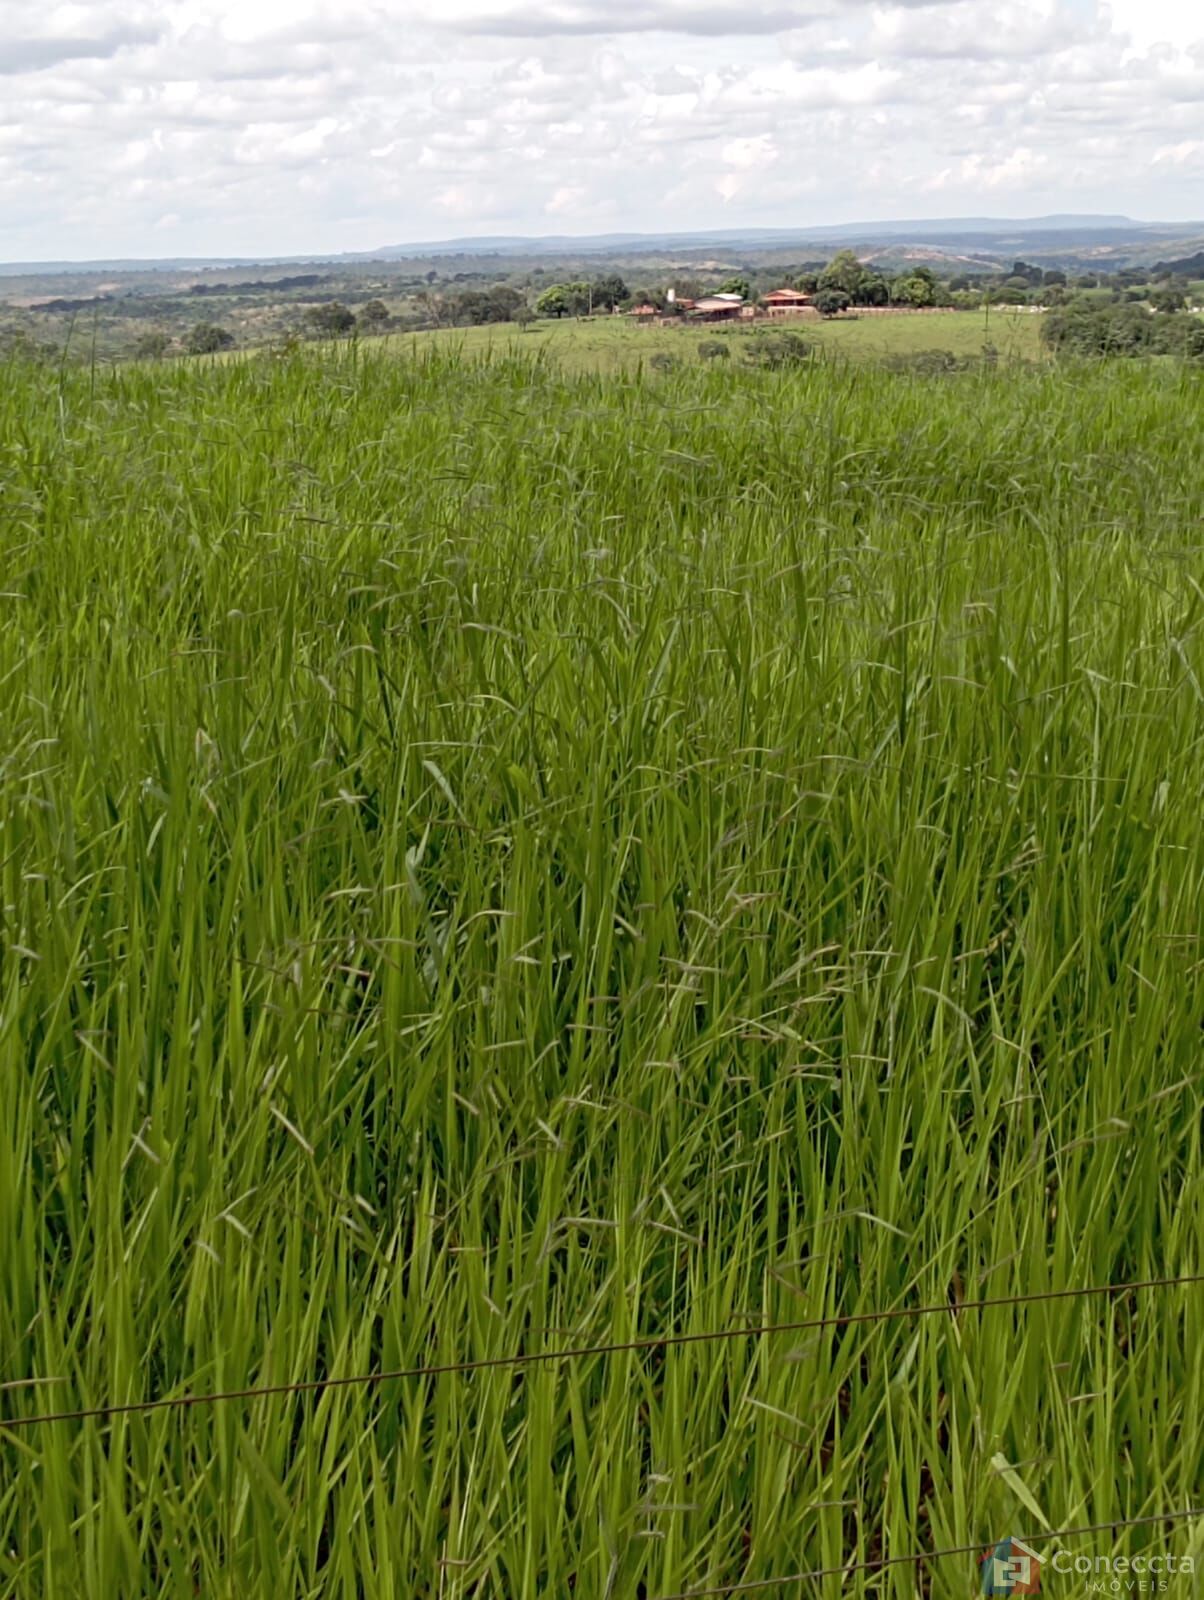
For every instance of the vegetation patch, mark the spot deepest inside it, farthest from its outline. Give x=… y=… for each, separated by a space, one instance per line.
x=1085 y=329
x=495 y=860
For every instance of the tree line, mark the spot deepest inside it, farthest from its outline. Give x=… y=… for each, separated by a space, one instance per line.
x=842 y=285
x=1086 y=329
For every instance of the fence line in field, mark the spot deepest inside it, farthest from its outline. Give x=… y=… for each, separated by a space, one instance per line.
x=583 y=1352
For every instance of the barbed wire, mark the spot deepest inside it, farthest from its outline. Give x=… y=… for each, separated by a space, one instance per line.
x=919 y=1556
x=584 y=1352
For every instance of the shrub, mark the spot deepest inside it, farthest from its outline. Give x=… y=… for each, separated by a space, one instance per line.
x=930 y=362
x=19 y=344
x=775 y=350
x=331 y=320
x=1083 y=328
x=207 y=339
x=152 y=346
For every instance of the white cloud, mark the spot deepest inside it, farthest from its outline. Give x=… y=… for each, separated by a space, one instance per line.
x=968 y=30
x=35 y=52
x=214 y=126
x=1016 y=169
x=1152 y=22
x=1187 y=150
x=532 y=18
x=744 y=154
x=565 y=200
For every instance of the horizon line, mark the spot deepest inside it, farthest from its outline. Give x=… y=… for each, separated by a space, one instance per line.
x=1052 y=222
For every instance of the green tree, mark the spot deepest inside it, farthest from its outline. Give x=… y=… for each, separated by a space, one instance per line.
x=478 y=306
x=917 y=289
x=374 y=316
x=566 y=300
x=330 y=320
x=608 y=292
x=843 y=272
x=831 y=302
x=207 y=339
x=1031 y=274
x=740 y=286
x=873 y=290
x=554 y=301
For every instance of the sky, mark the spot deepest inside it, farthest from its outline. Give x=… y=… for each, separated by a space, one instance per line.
x=240 y=127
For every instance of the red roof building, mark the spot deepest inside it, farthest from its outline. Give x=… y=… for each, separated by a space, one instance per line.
x=782 y=302
x=717 y=307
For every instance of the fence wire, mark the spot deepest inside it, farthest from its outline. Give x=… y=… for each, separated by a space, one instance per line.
x=664 y=1341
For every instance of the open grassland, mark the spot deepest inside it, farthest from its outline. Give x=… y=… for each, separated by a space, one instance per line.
x=618 y=344
x=495 y=860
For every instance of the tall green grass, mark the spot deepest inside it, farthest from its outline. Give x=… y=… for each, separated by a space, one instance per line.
x=493 y=860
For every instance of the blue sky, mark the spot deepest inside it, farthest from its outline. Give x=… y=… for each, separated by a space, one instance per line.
x=167 y=127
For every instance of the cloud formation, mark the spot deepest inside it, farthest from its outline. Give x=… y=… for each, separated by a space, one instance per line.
x=705 y=18
x=34 y=53
x=211 y=127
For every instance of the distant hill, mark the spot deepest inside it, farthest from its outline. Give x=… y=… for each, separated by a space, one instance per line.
x=1065 y=228
x=1061 y=234
x=1189 y=266
x=1068 y=222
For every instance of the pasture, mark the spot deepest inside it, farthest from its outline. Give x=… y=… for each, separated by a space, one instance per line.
x=498 y=859
x=618 y=344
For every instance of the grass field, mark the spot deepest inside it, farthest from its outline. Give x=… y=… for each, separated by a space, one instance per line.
x=617 y=344
x=496 y=859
